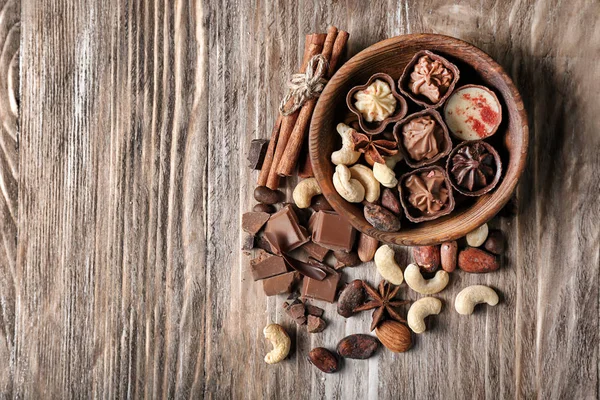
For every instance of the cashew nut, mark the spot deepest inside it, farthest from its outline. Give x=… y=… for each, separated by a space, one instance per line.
x=416 y=282
x=387 y=266
x=281 y=343
x=350 y=189
x=346 y=155
x=304 y=192
x=477 y=237
x=421 y=309
x=365 y=176
x=384 y=173
x=470 y=296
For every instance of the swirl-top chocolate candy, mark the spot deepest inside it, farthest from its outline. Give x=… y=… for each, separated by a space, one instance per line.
x=473 y=167
x=422 y=138
x=430 y=78
x=427 y=191
x=376 y=102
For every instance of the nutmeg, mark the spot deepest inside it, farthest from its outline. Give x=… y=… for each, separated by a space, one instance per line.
x=394 y=335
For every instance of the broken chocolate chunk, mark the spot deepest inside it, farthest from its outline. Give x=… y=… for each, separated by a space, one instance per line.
x=256 y=155
x=316 y=324
x=315 y=251
x=321 y=290
x=284 y=226
x=279 y=284
x=266 y=266
x=314 y=310
x=252 y=222
x=332 y=231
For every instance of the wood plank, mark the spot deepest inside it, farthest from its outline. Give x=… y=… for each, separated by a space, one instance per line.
x=134 y=126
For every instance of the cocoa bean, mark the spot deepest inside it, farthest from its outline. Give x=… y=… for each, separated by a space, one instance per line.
x=391 y=201
x=359 y=346
x=351 y=297
x=263 y=194
x=477 y=261
x=427 y=257
x=323 y=359
x=320 y=203
x=261 y=207
x=380 y=218
x=495 y=242
x=448 y=256
x=346 y=259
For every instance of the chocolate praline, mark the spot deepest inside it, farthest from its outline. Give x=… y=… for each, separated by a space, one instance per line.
x=375 y=127
x=404 y=83
x=474 y=168
x=426 y=194
x=418 y=148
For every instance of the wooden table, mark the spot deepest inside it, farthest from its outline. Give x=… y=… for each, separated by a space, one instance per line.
x=124 y=176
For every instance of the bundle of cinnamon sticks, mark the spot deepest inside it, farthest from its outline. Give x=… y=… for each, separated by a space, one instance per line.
x=289 y=133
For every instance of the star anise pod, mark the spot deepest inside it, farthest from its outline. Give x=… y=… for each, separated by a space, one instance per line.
x=383 y=301
x=374 y=149
x=473 y=167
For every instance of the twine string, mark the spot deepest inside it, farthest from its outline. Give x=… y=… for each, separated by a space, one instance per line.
x=303 y=87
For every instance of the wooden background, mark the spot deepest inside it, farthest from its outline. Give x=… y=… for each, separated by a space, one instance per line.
x=123 y=177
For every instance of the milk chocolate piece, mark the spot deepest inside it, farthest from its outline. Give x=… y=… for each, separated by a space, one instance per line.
x=426 y=194
x=279 y=284
x=332 y=231
x=315 y=251
x=307 y=269
x=286 y=229
x=321 y=290
x=256 y=155
x=316 y=324
x=261 y=242
x=266 y=266
x=248 y=242
x=297 y=310
x=252 y=222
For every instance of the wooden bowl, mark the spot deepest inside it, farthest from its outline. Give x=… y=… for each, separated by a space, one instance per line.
x=391 y=56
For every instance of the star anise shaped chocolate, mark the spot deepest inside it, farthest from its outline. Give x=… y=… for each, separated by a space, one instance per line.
x=373 y=149
x=383 y=301
x=473 y=167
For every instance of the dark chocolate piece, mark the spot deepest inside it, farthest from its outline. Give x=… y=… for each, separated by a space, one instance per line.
x=256 y=155
x=266 y=266
x=320 y=203
x=315 y=272
x=321 y=290
x=346 y=259
x=262 y=243
x=284 y=226
x=315 y=251
x=252 y=222
x=316 y=324
x=279 y=284
x=332 y=231
x=248 y=242
x=314 y=310
x=474 y=168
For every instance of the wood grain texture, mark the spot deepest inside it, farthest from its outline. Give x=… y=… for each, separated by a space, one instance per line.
x=135 y=120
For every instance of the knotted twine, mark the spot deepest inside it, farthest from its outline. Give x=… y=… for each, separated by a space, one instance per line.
x=303 y=87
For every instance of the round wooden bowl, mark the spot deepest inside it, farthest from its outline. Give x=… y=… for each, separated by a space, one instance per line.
x=391 y=56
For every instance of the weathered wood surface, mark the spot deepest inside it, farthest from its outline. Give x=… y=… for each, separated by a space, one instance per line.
x=120 y=274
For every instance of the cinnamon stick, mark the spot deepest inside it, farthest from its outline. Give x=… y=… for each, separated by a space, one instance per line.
x=294 y=145
x=338 y=50
x=268 y=161
x=289 y=122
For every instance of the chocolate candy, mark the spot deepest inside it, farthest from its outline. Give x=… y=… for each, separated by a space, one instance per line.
x=280 y=284
x=426 y=194
x=285 y=227
x=267 y=265
x=252 y=222
x=332 y=231
x=315 y=251
x=256 y=155
x=321 y=290
x=473 y=112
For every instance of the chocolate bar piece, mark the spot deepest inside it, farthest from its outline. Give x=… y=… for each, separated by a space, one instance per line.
x=279 y=284
x=252 y=222
x=321 y=290
x=248 y=242
x=315 y=251
x=316 y=324
x=314 y=310
x=332 y=231
x=285 y=227
x=267 y=265
x=256 y=155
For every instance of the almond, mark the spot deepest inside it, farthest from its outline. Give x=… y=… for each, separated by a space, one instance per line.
x=394 y=335
x=477 y=261
x=427 y=257
x=448 y=256
x=367 y=246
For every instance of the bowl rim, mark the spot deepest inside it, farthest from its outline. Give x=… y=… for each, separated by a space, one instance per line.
x=493 y=206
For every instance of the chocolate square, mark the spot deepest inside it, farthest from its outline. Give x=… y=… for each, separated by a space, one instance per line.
x=332 y=231
x=321 y=290
x=266 y=266
x=315 y=251
x=279 y=284
x=285 y=227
